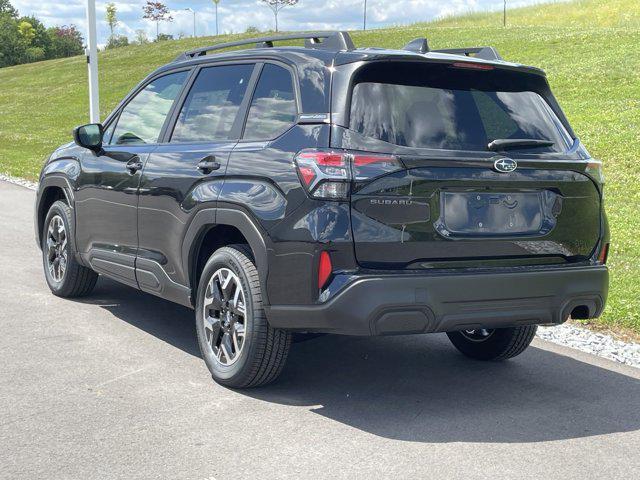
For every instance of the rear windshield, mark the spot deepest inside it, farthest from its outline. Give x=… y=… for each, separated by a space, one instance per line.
x=441 y=107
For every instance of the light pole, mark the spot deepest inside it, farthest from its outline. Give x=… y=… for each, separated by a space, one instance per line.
x=92 y=63
x=504 y=14
x=194 y=20
x=364 y=18
x=216 y=2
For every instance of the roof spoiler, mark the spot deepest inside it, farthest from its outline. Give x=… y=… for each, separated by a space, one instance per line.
x=484 y=53
x=420 y=45
x=331 y=40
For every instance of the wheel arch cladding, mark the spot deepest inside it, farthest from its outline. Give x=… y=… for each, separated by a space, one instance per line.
x=51 y=189
x=212 y=229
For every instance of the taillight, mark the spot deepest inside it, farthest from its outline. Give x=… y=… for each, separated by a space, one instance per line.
x=324 y=269
x=328 y=174
x=324 y=174
x=371 y=166
x=604 y=253
x=594 y=170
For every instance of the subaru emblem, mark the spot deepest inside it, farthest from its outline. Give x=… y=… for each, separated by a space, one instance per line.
x=505 y=165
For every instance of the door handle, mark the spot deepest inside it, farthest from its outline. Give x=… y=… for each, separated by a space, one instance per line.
x=134 y=164
x=208 y=164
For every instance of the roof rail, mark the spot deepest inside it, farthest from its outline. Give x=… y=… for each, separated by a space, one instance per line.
x=485 y=53
x=331 y=40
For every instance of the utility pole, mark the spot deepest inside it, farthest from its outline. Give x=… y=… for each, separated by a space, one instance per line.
x=92 y=61
x=194 y=20
x=215 y=3
x=364 y=18
x=504 y=14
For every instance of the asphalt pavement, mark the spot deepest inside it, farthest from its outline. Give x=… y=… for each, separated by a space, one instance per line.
x=112 y=386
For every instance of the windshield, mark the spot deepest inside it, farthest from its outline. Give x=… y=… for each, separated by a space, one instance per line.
x=423 y=113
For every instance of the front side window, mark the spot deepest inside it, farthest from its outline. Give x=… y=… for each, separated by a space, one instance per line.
x=452 y=110
x=212 y=105
x=273 y=107
x=142 y=118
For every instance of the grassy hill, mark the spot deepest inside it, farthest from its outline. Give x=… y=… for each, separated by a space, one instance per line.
x=587 y=47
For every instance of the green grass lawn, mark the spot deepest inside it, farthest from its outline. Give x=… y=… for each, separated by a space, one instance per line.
x=588 y=49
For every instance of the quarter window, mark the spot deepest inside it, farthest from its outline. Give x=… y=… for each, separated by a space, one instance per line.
x=142 y=118
x=108 y=133
x=273 y=107
x=211 y=108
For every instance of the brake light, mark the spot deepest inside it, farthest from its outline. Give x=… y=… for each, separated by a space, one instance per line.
x=604 y=253
x=324 y=174
x=324 y=269
x=328 y=174
x=472 y=66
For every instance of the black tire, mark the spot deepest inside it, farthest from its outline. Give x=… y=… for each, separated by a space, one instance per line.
x=264 y=350
x=76 y=280
x=499 y=344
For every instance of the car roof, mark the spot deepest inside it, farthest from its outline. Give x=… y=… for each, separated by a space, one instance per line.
x=336 y=48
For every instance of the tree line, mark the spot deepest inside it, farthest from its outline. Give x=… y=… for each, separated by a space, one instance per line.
x=25 y=39
x=158 y=12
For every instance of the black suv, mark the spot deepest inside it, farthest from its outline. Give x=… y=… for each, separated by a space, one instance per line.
x=333 y=189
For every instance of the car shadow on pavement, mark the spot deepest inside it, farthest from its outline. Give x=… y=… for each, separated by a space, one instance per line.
x=163 y=319
x=418 y=388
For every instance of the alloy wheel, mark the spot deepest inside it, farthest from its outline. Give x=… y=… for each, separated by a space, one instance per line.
x=477 y=335
x=224 y=313
x=56 y=248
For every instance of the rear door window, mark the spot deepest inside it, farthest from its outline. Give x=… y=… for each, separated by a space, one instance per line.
x=444 y=112
x=273 y=107
x=212 y=105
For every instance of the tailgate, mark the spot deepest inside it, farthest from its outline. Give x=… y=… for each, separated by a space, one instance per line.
x=472 y=216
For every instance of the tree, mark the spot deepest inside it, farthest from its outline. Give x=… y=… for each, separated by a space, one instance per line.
x=66 y=41
x=163 y=37
x=27 y=31
x=215 y=3
x=117 y=41
x=277 y=5
x=157 y=12
x=111 y=16
x=32 y=53
x=7 y=9
x=13 y=48
x=141 y=37
x=41 y=40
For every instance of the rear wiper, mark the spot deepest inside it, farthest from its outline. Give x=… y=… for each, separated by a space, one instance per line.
x=510 y=143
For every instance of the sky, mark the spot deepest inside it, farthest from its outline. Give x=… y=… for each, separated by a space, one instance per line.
x=235 y=16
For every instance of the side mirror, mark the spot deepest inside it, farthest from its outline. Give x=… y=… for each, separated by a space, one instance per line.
x=89 y=136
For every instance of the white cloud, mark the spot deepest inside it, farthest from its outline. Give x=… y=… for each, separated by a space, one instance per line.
x=237 y=15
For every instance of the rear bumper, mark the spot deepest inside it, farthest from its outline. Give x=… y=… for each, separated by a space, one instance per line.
x=401 y=304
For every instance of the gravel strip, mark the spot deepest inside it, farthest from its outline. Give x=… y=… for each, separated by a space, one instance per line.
x=19 y=181
x=592 y=342
x=567 y=335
